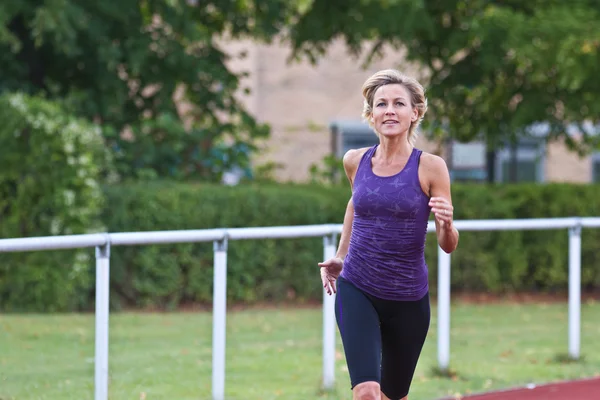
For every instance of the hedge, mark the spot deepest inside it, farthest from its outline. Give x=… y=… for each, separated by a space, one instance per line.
x=282 y=270
x=168 y=276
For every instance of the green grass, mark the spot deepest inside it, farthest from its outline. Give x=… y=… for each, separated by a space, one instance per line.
x=276 y=354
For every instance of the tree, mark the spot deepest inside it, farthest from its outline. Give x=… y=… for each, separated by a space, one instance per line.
x=494 y=68
x=120 y=62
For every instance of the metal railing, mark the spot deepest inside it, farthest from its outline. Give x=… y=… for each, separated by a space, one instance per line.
x=220 y=238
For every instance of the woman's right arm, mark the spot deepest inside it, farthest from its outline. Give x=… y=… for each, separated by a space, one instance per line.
x=331 y=269
x=350 y=161
x=346 y=231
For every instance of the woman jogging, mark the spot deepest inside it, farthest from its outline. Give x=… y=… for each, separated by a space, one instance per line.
x=379 y=272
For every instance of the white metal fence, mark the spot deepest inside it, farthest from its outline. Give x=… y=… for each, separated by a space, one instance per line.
x=220 y=238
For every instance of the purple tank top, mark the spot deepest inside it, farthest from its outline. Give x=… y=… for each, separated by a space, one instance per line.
x=386 y=257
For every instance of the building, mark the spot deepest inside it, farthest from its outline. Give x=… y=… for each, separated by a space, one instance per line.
x=308 y=105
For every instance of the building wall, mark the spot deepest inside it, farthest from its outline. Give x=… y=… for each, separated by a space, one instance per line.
x=564 y=165
x=299 y=101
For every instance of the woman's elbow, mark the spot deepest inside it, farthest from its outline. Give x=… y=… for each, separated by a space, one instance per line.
x=450 y=243
x=449 y=248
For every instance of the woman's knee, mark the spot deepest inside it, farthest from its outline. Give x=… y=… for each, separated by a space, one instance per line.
x=366 y=391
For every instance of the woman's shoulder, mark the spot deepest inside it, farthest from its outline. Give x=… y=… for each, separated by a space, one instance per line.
x=353 y=156
x=351 y=161
x=432 y=170
x=432 y=161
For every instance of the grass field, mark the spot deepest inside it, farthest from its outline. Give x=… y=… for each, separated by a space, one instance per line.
x=276 y=353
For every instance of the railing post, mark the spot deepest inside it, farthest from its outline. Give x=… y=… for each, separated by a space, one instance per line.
x=219 y=319
x=329 y=249
x=574 y=291
x=102 y=310
x=443 y=300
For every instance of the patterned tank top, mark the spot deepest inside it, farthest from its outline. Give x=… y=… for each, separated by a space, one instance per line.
x=386 y=256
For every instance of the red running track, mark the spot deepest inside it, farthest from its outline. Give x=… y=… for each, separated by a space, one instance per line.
x=586 y=389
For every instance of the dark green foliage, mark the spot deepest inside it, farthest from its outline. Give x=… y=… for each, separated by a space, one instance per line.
x=153 y=73
x=491 y=68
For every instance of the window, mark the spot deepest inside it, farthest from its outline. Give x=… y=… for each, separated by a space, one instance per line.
x=351 y=135
x=596 y=167
x=529 y=161
x=468 y=162
x=526 y=170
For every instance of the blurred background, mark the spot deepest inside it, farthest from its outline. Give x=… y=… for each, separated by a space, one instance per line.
x=124 y=116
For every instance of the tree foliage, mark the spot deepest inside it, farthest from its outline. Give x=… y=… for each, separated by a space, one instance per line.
x=491 y=67
x=120 y=62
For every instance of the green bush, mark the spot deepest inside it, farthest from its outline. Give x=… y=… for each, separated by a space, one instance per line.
x=509 y=261
x=49 y=185
x=277 y=270
x=167 y=276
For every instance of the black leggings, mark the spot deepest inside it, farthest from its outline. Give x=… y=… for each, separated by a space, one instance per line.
x=382 y=339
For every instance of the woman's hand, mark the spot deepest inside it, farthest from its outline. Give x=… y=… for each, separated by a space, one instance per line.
x=443 y=211
x=330 y=270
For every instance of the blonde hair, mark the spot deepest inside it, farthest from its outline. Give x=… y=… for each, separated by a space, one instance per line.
x=389 y=77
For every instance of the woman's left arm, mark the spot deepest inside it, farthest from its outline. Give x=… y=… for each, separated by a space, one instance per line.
x=441 y=203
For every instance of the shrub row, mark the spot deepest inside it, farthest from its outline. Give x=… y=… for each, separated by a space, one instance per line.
x=167 y=276
x=285 y=269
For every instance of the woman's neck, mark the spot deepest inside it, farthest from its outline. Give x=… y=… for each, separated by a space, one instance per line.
x=392 y=149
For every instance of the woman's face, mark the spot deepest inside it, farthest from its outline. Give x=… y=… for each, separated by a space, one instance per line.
x=393 y=112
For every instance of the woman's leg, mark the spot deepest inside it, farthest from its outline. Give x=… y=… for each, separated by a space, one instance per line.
x=403 y=330
x=359 y=327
